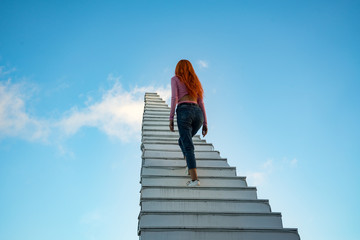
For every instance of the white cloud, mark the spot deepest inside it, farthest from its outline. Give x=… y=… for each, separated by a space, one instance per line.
x=268 y=164
x=260 y=176
x=4 y=71
x=256 y=178
x=294 y=162
x=14 y=119
x=203 y=64
x=290 y=162
x=118 y=114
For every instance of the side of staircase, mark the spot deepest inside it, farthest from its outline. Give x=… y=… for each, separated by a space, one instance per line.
x=223 y=207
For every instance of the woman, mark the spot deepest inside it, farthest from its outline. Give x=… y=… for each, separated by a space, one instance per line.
x=187 y=92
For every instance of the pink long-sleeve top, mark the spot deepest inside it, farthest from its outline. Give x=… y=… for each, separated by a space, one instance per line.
x=178 y=90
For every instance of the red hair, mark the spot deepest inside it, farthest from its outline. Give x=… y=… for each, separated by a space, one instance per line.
x=185 y=72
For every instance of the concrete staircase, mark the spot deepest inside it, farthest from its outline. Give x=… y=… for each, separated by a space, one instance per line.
x=223 y=207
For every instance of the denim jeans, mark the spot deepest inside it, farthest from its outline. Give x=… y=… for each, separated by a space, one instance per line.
x=189 y=120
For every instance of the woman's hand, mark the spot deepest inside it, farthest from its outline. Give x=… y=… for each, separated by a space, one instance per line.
x=204 y=130
x=171 y=125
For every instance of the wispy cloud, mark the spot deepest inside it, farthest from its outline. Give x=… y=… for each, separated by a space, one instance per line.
x=290 y=162
x=5 y=71
x=15 y=121
x=118 y=114
x=261 y=175
x=294 y=162
x=203 y=64
x=256 y=178
x=268 y=165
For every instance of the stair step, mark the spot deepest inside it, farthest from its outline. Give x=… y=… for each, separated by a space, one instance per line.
x=156 y=114
x=154 y=107
x=206 y=205
x=145 y=139
x=155 y=101
x=155 y=104
x=162 y=119
x=162 y=110
x=158 y=123
x=168 y=136
x=210 y=220
x=164 y=127
x=180 y=181
x=152 y=110
x=182 y=163
x=160 y=133
x=180 y=171
x=153 y=98
x=164 y=134
x=151 y=95
x=199 y=192
x=179 y=154
x=175 y=147
x=174 y=142
x=216 y=234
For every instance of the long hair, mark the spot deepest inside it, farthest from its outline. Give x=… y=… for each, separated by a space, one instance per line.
x=185 y=72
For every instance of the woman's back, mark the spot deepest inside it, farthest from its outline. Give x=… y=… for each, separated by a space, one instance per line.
x=182 y=92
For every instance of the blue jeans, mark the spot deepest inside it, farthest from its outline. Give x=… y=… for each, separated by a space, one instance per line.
x=189 y=120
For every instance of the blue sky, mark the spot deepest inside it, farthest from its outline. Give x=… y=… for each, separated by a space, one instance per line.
x=281 y=81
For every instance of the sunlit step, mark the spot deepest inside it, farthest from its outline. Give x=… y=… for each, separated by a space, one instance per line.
x=179 y=154
x=210 y=220
x=159 y=127
x=218 y=234
x=180 y=171
x=199 y=192
x=180 y=181
x=175 y=147
x=182 y=163
x=196 y=139
x=205 y=205
x=173 y=141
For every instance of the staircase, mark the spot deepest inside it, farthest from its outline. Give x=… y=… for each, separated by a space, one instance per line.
x=223 y=207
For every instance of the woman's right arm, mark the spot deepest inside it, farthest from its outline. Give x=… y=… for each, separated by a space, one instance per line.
x=174 y=99
x=202 y=106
